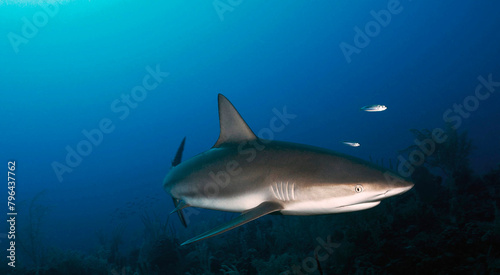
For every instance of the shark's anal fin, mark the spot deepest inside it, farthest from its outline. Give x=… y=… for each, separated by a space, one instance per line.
x=179 y=205
x=233 y=129
x=250 y=215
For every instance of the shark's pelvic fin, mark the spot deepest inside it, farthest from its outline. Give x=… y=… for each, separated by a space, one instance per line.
x=233 y=129
x=179 y=205
x=257 y=212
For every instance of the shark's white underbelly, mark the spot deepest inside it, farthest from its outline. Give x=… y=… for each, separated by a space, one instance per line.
x=324 y=207
x=238 y=203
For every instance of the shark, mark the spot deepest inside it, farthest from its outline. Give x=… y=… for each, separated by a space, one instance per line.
x=254 y=176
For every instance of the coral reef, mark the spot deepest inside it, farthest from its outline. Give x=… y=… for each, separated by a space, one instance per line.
x=451 y=156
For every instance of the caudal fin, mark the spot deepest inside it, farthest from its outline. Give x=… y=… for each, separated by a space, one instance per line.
x=179 y=205
x=178 y=155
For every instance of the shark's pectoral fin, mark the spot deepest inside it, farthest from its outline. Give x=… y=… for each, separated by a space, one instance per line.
x=250 y=215
x=179 y=205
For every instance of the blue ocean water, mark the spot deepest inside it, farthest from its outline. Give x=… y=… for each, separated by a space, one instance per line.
x=97 y=96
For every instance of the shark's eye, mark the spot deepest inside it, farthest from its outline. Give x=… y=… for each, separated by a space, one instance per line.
x=358 y=188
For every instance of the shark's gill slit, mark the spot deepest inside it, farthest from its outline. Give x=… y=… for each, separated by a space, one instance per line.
x=287 y=192
x=275 y=192
x=282 y=194
x=280 y=188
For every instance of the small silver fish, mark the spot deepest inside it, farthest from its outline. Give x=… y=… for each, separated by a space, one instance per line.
x=352 y=144
x=374 y=108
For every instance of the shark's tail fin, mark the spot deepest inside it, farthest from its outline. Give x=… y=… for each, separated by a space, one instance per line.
x=179 y=205
x=178 y=155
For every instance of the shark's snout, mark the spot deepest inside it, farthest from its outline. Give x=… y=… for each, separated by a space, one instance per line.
x=400 y=189
x=389 y=190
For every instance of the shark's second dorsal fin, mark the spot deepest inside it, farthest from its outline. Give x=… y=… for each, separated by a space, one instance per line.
x=233 y=129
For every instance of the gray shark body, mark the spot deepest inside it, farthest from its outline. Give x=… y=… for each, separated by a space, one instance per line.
x=243 y=173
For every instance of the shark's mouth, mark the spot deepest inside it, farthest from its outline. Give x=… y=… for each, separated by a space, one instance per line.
x=369 y=200
x=359 y=206
x=382 y=195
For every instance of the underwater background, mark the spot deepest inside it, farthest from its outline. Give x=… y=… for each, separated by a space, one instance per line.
x=97 y=96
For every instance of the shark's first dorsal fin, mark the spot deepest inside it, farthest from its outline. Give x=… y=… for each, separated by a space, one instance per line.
x=233 y=129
